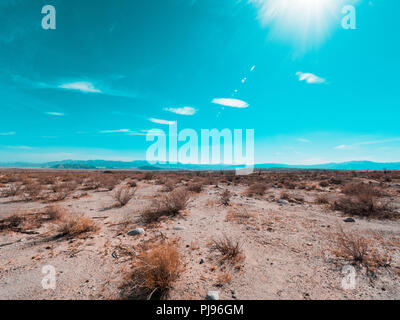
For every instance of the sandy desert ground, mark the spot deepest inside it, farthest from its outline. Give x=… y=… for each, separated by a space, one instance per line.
x=269 y=235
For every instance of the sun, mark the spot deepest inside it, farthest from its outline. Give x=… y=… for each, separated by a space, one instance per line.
x=303 y=22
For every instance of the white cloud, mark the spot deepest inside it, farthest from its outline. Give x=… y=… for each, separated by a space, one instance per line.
x=160 y=121
x=234 y=103
x=186 y=111
x=116 y=131
x=20 y=147
x=7 y=133
x=350 y=146
x=59 y=114
x=310 y=78
x=128 y=132
x=342 y=147
x=303 y=140
x=80 y=86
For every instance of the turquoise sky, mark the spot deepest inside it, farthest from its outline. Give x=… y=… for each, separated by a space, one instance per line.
x=313 y=91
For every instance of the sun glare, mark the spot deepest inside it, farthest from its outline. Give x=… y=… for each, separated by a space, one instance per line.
x=304 y=22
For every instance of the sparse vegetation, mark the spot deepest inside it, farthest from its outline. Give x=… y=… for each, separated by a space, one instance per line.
x=256 y=189
x=230 y=250
x=226 y=197
x=123 y=195
x=73 y=225
x=359 y=250
x=170 y=204
x=362 y=200
x=154 y=272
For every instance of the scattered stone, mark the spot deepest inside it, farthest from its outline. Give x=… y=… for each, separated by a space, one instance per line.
x=282 y=201
x=349 y=220
x=135 y=231
x=179 y=228
x=212 y=295
x=201 y=261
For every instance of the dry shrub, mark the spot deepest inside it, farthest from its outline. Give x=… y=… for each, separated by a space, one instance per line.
x=109 y=181
x=230 y=250
x=12 y=223
x=123 y=195
x=225 y=197
x=324 y=184
x=154 y=272
x=239 y=215
x=148 y=176
x=285 y=196
x=359 y=250
x=256 y=189
x=169 y=185
x=28 y=221
x=131 y=183
x=195 y=187
x=321 y=199
x=11 y=190
x=32 y=190
x=364 y=202
x=52 y=213
x=223 y=278
x=169 y=204
x=71 y=225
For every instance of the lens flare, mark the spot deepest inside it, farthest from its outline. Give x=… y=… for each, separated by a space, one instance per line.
x=304 y=23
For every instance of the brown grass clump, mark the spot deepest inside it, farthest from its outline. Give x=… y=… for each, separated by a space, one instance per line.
x=12 y=223
x=195 y=187
x=223 y=278
x=32 y=190
x=225 y=197
x=154 y=272
x=359 y=251
x=123 y=195
x=72 y=226
x=11 y=190
x=239 y=215
x=256 y=189
x=170 y=204
x=362 y=200
x=321 y=199
x=28 y=221
x=285 y=196
x=229 y=249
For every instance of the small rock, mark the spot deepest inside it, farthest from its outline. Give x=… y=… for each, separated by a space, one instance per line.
x=349 y=220
x=212 y=295
x=135 y=231
x=201 y=261
x=281 y=201
x=179 y=228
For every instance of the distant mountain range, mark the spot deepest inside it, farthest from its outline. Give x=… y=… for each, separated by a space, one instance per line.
x=144 y=165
